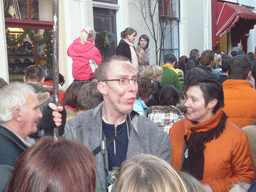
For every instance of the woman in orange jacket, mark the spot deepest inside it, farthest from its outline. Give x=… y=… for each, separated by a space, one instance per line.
x=206 y=144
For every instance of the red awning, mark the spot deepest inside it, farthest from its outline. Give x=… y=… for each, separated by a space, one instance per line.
x=239 y=18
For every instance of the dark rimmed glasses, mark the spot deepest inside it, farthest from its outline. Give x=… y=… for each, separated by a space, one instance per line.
x=125 y=81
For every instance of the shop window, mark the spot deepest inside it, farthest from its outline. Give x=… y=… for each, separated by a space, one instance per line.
x=21 y=9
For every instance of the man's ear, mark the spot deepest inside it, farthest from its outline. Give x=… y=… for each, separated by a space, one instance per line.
x=16 y=114
x=24 y=79
x=212 y=103
x=102 y=88
x=249 y=76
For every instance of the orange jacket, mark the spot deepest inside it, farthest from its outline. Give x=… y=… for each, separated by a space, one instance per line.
x=227 y=159
x=240 y=102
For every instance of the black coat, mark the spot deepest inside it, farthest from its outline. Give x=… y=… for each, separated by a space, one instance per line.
x=124 y=49
x=11 y=147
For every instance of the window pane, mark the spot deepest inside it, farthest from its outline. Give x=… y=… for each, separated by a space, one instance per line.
x=19 y=9
x=169 y=8
x=170 y=38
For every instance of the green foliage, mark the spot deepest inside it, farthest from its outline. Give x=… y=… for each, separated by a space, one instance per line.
x=104 y=39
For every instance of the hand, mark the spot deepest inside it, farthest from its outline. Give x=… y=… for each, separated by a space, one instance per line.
x=56 y=115
x=207 y=188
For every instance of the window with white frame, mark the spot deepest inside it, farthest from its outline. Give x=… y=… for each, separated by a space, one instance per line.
x=169 y=16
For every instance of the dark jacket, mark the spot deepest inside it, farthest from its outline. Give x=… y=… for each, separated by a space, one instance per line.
x=11 y=147
x=124 y=49
x=191 y=63
x=208 y=71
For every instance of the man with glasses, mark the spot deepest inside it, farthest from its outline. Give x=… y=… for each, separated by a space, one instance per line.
x=112 y=130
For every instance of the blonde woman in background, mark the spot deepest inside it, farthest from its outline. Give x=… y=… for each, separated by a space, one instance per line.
x=149 y=173
x=86 y=57
x=217 y=64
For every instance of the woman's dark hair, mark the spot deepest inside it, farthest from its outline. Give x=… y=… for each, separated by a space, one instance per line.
x=54 y=166
x=211 y=89
x=127 y=31
x=183 y=62
x=49 y=77
x=70 y=97
x=147 y=87
x=254 y=69
x=88 y=96
x=168 y=95
x=144 y=36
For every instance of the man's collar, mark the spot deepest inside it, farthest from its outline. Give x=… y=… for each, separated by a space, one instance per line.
x=23 y=141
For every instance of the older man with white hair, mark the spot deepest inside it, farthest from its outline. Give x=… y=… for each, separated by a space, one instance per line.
x=19 y=114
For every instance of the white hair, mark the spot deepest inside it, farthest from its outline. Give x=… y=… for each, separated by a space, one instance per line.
x=87 y=32
x=11 y=96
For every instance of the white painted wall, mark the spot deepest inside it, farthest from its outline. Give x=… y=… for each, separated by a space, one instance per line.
x=74 y=16
x=136 y=21
x=194 y=25
x=3 y=47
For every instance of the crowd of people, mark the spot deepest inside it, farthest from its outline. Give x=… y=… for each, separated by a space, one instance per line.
x=127 y=125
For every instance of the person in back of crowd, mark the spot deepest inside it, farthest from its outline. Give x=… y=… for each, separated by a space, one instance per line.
x=156 y=73
x=70 y=98
x=143 y=51
x=193 y=56
x=225 y=67
x=195 y=73
x=2 y=83
x=86 y=57
x=167 y=113
x=239 y=94
x=54 y=166
x=126 y=46
x=146 y=88
x=172 y=76
x=35 y=76
x=183 y=65
x=88 y=97
x=149 y=173
x=206 y=144
x=217 y=62
x=206 y=63
x=48 y=85
x=19 y=115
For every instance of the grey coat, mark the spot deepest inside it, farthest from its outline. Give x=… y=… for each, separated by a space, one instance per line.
x=145 y=137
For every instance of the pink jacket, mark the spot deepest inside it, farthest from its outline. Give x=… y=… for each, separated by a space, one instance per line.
x=81 y=54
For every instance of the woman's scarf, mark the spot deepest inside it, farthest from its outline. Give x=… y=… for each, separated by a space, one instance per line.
x=133 y=54
x=143 y=55
x=195 y=145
